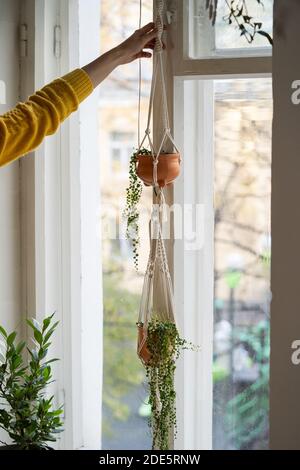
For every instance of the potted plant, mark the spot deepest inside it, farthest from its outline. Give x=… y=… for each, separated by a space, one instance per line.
x=159 y=346
x=141 y=165
x=26 y=414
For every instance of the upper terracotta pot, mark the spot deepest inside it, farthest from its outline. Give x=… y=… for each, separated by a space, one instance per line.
x=168 y=168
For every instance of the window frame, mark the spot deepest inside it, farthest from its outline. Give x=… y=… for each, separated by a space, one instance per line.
x=61 y=262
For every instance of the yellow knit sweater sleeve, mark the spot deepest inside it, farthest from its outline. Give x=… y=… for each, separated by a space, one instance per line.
x=24 y=127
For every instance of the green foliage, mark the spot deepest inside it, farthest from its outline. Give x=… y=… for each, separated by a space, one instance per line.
x=220 y=373
x=131 y=211
x=122 y=371
x=250 y=408
x=26 y=415
x=165 y=346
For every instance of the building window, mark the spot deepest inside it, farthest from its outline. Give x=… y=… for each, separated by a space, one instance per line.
x=121 y=147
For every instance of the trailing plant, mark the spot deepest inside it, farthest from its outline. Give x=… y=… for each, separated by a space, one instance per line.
x=26 y=414
x=165 y=345
x=238 y=13
x=131 y=211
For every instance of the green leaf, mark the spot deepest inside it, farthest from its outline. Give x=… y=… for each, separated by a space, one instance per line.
x=51 y=360
x=38 y=336
x=30 y=323
x=20 y=347
x=3 y=332
x=46 y=373
x=51 y=331
x=33 y=354
x=47 y=321
x=10 y=339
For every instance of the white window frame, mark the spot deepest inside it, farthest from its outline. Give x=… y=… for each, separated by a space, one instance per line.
x=192 y=272
x=60 y=231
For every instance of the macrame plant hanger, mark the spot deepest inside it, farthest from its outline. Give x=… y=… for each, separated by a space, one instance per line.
x=158 y=70
x=157 y=280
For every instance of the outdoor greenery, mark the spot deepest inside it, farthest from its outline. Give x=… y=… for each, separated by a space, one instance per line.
x=165 y=345
x=239 y=15
x=250 y=407
x=26 y=414
x=131 y=212
x=122 y=371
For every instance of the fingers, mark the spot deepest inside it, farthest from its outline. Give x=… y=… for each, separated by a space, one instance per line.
x=147 y=28
x=151 y=45
x=144 y=54
x=151 y=35
x=149 y=31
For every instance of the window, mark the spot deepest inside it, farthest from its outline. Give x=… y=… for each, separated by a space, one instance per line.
x=222 y=119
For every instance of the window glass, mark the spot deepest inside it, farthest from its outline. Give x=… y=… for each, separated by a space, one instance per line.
x=202 y=40
x=242 y=189
x=125 y=409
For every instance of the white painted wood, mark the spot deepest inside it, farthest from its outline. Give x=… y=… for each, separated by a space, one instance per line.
x=10 y=254
x=10 y=299
x=61 y=251
x=194 y=260
x=91 y=270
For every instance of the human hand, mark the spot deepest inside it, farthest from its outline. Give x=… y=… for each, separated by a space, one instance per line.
x=134 y=47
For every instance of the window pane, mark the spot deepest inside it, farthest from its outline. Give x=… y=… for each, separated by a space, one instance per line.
x=242 y=187
x=202 y=40
x=125 y=414
x=228 y=37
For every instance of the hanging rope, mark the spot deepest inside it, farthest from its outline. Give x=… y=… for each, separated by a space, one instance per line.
x=158 y=68
x=140 y=83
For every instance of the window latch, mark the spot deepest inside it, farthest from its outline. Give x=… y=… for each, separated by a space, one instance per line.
x=57 y=41
x=23 y=40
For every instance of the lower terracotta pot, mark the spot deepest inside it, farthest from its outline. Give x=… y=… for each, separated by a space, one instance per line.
x=168 y=168
x=143 y=352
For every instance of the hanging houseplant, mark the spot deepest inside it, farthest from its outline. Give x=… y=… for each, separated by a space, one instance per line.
x=26 y=414
x=159 y=346
x=133 y=196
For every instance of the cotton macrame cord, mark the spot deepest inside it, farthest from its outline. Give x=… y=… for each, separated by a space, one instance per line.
x=140 y=83
x=157 y=274
x=158 y=66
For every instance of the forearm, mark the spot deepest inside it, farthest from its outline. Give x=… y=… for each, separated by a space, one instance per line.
x=101 y=67
x=129 y=50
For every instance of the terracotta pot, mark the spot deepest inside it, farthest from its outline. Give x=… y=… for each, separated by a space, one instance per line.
x=143 y=353
x=168 y=168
